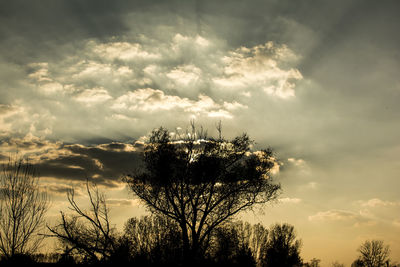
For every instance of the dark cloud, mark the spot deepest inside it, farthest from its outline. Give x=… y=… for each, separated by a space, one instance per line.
x=105 y=165
x=60 y=189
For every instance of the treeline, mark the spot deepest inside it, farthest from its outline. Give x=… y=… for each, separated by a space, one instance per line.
x=154 y=241
x=88 y=238
x=192 y=184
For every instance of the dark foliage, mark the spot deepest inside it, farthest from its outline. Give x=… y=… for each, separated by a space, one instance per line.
x=282 y=249
x=200 y=182
x=153 y=240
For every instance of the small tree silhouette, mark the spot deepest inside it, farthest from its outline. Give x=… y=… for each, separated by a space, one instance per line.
x=374 y=253
x=282 y=249
x=22 y=209
x=87 y=232
x=231 y=246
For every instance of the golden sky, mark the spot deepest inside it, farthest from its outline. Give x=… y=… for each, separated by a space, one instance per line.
x=84 y=82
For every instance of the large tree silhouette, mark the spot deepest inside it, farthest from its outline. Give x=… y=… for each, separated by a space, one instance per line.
x=200 y=182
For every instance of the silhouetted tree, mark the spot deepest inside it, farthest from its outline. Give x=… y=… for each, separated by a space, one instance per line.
x=253 y=236
x=240 y=238
x=230 y=246
x=88 y=233
x=282 y=249
x=22 y=209
x=154 y=240
x=357 y=263
x=374 y=253
x=201 y=182
x=337 y=264
x=314 y=262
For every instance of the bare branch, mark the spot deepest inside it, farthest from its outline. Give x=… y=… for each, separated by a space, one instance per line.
x=22 y=209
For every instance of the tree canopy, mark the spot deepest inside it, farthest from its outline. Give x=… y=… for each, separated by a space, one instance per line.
x=201 y=182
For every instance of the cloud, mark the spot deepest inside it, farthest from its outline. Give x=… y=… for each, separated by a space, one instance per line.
x=58 y=189
x=113 y=80
x=297 y=162
x=122 y=51
x=333 y=215
x=258 y=66
x=148 y=99
x=94 y=95
x=288 y=200
x=31 y=147
x=122 y=202
x=357 y=219
x=376 y=202
x=104 y=164
x=7 y=115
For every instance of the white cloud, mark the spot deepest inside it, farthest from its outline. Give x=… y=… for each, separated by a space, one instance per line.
x=376 y=202
x=188 y=76
x=121 y=50
x=123 y=202
x=333 y=215
x=356 y=219
x=151 y=100
x=259 y=67
x=288 y=200
x=6 y=114
x=185 y=75
x=94 y=95
x=297 y=162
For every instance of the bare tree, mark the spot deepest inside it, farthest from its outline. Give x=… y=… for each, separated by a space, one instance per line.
x=87 y=232
x=201 y=182
x=22 y=209
x=374 y=253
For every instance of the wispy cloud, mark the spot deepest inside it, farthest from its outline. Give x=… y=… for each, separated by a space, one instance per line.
x=376 y=203
x=288 y=200
x=357 y=219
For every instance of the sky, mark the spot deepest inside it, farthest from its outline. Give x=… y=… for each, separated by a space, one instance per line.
x=84 y=82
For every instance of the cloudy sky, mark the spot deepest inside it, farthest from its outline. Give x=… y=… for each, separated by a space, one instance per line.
x=82 y=83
